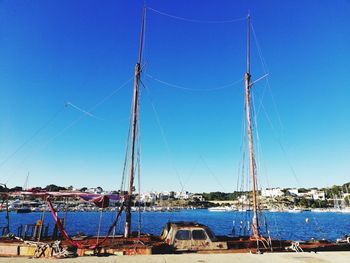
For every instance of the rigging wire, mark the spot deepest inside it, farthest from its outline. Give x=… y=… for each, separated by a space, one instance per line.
x=73 y=123
x=139 y=174
x=82 y=111
x=122 y=188
x=275 y=107
x=212 y=173
x=239 y=217
x=242 y=153
x=44 y=126
x=255 y=138
x=143 y=44
x=193 y=89
x=190 y=174
x=281 y=146
x=268 y=87
x=265 y=69
x=162 y=132
x=259 y=150
x=197 y=20
x=259 y=165
x=128 y=142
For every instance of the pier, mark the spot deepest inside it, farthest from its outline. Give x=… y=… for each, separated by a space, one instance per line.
x=324 y=257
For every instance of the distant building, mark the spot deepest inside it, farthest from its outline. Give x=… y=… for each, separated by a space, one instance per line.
x=148 y=197
x=198 y=197
x=164 y=196
x=295 y=192
x=318 y=195
x=183 y=195
x=273 y=192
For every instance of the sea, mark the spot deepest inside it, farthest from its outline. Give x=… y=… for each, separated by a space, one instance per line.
x=282 y=225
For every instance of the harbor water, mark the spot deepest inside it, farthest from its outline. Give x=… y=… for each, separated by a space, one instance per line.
x=282 y=225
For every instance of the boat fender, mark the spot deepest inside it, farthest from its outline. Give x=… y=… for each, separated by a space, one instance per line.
x=348 y=240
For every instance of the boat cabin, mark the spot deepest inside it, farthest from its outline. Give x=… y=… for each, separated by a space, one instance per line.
x=190 y=236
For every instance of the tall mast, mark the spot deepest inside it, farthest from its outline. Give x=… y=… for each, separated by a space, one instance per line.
x=255 y=223
x=133 y=132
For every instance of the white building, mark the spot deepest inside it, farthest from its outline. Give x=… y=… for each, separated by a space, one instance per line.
x=184 y=195
x=295 y=192
x=198 y=197
x=318 y=195
x=273 y=192
x=148 y=197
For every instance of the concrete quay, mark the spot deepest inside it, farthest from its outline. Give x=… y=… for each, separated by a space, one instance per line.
x=321 y=257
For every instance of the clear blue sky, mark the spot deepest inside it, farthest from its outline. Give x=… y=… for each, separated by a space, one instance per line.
x=52 y=52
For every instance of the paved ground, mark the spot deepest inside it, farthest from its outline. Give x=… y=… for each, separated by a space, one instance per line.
x=323 y=257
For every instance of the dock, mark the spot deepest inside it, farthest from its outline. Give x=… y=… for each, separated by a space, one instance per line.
x=324 y=257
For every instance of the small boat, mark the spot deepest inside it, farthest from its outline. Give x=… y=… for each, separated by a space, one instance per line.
x=318 y=210
x=295 y=210
x=221 y=209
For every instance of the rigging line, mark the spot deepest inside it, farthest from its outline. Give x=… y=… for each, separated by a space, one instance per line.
x=257 y=156
x=193 y=89
x=212 y=173
x=197 y=20
x=265 y=69
x=126 y=158
x=242 y=151
x=82 y=111
x=190 y=174
x=259 y=148
x=110 y=95
x=91 y=109
x=263 y=62
x=281 y=146
x=74 y=122
x=162 y=132
x=143 y=33
x=261 y=99
x=139 y=173
x=45 y=125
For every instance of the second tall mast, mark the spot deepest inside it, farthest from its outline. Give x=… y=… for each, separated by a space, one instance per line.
x=134 y=124
x=255 y=221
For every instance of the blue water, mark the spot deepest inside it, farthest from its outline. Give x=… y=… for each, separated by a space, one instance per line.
x=291 y=226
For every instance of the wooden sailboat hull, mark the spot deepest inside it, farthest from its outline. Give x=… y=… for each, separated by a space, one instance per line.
x=147 y=245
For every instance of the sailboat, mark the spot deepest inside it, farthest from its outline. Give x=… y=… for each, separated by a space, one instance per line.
x=176 y=236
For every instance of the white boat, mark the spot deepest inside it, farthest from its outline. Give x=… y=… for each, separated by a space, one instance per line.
x=295 y=210
x=221 y=209
x=217 y=209
x=319 y=210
